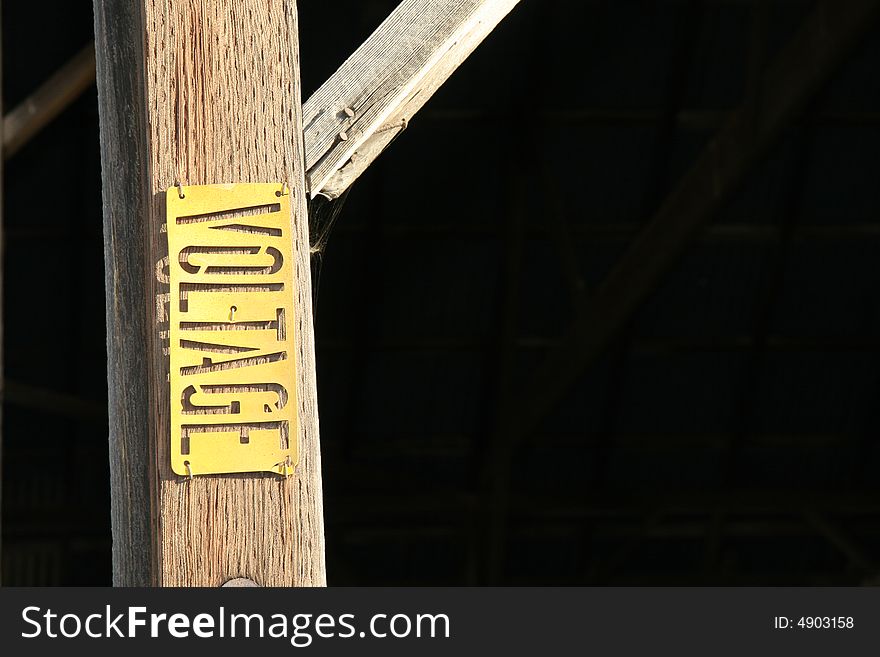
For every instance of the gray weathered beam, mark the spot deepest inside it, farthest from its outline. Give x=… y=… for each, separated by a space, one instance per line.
x=383 y=84
x=359 y=111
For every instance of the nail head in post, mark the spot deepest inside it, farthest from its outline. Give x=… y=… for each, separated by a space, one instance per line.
x=239 y=582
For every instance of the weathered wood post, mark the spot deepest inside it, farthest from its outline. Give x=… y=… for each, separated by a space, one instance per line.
x=193 y=93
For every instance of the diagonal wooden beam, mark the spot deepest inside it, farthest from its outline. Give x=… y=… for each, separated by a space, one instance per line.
x=359 y=111
x=792 y=79
x=355 y=114
x=48 y=101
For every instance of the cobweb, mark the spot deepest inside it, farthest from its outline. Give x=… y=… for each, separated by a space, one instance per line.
x=323 y=213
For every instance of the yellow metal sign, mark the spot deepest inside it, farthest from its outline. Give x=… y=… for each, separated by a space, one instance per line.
x=233 y=384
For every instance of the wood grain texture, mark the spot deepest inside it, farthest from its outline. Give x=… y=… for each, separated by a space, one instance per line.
x=123 y=132
x=220 y=98
x=353 y=117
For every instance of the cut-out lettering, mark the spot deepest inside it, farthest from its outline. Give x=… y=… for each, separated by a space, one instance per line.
x=232 y=371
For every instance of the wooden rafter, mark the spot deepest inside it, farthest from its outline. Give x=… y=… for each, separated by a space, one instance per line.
x=790 y=81
x=359 y=111
x=355 y=114
x=48 y=101
x=31 y=116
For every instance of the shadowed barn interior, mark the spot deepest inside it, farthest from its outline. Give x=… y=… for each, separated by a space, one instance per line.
x=606 y=312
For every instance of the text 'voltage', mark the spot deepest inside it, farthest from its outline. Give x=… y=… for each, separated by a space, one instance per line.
x=232 y=381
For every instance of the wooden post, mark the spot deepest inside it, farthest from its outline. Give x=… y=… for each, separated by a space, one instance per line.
x=198 y=92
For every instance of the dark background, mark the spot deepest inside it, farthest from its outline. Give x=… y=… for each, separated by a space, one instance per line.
x=726 y=435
